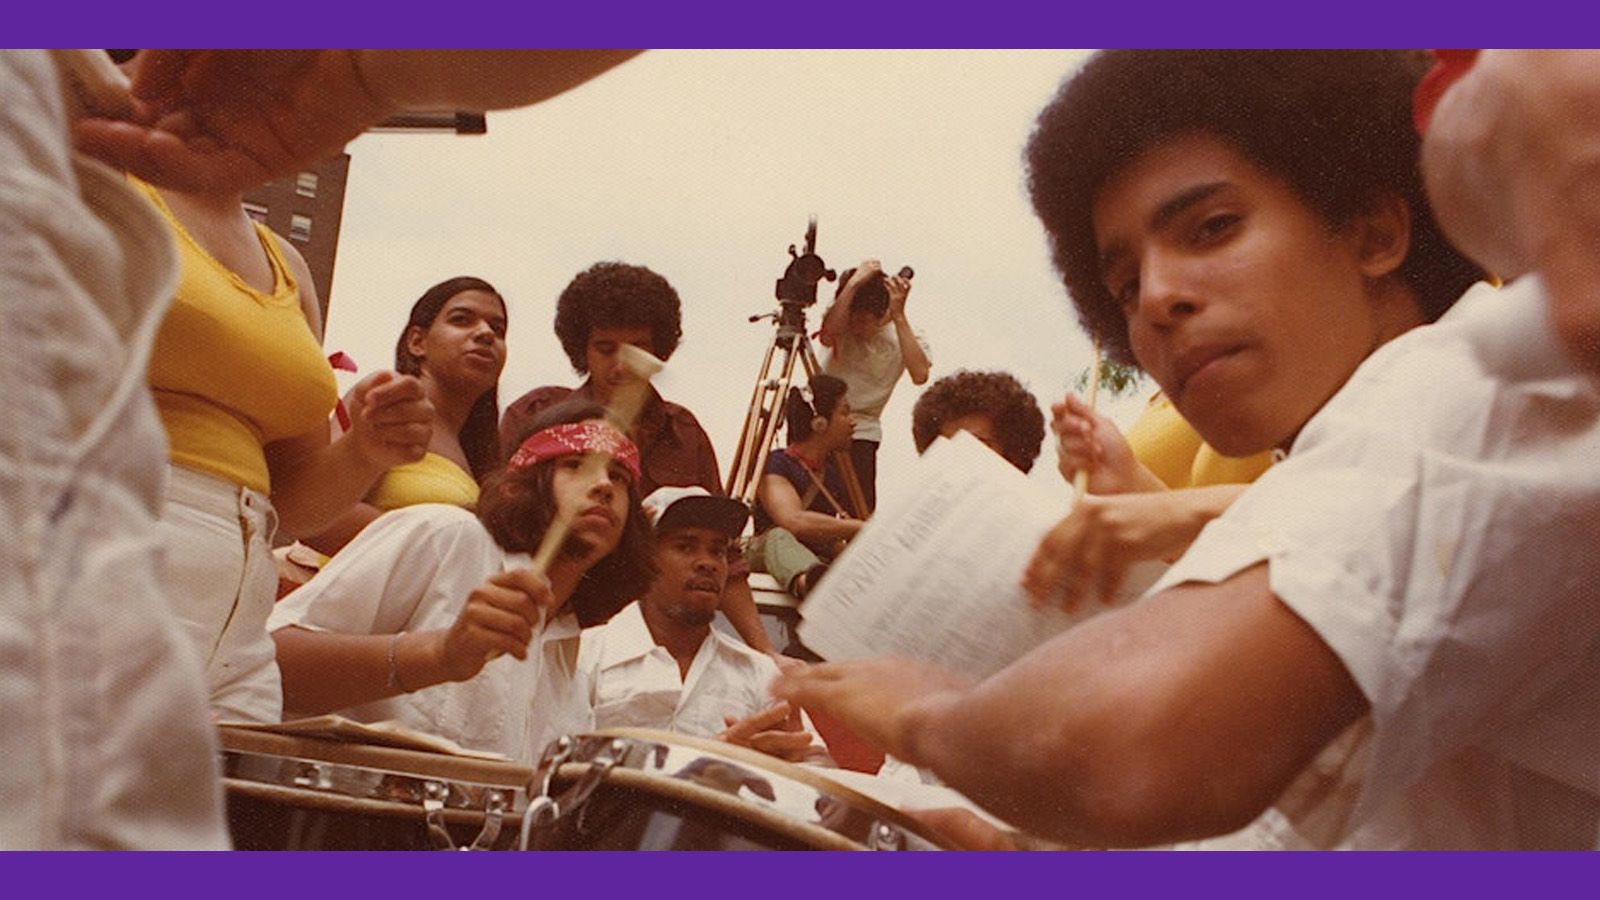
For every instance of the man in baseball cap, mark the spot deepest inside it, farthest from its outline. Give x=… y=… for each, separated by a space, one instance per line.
x=659 y=664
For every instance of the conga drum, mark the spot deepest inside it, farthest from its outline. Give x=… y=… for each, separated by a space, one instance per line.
x=296 y=792
x=643 y=789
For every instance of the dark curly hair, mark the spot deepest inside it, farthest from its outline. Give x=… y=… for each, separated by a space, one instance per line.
x=872 y=296
x=999 y=395
x=826 y=392
x=480 y=433
x=517 y=507
x=617 y=295
x=1334 y=125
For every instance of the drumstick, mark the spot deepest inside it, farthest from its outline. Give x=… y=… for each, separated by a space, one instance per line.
x=1080 y=481
x=626 y=401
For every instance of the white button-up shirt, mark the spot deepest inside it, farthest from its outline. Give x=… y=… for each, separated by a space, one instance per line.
x=637 y=682
x=412 y=570
x=1438 y=524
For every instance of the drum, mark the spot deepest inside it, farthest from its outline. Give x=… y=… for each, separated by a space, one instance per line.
x=642 y=789
x=295 y=792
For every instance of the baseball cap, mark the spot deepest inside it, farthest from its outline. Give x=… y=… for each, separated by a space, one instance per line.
x=694 y=507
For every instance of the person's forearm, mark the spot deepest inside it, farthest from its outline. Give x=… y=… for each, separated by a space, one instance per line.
x=325 y=672
x=343 y=529
x=837 y=316
x=313 y=488
x=814 y=527
x=1194 y=510
x=478 y=79
x=911 y=354
x=1138 y=740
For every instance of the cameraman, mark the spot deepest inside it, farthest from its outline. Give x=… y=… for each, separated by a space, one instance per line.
x=870 y=343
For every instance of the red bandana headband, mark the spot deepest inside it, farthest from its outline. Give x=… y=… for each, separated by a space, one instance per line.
x=579 y=437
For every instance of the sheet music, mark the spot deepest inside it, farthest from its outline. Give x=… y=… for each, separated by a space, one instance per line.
x=936 y=575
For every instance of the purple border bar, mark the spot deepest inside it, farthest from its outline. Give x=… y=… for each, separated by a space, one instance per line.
x=1304 y=876
x=752 y=23
x=818 y=23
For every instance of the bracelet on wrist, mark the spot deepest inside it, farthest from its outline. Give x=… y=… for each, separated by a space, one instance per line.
x=394 y=668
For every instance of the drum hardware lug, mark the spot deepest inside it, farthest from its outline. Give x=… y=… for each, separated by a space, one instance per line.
x=884 y=836
x=494 y=809
x=545 y=811
x=312 y=775
x=434 y=794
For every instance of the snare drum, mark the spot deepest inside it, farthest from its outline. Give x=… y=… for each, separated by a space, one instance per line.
x=292 y=792
x=642 y=789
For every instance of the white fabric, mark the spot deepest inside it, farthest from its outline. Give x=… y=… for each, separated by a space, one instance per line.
x=412 y=570
x=1437 y=524
x=222 y=580
x=637 y=682
x=103 y=730
x=870 y=370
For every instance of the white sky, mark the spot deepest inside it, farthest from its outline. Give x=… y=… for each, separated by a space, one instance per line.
x=704 y=166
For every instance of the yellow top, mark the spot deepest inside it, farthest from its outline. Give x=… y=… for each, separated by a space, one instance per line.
x=1170 y=448
x=234 y=369
x=431 y=479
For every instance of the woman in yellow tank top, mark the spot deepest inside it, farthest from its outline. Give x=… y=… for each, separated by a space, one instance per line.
x=241 y=385
x=455 y=344
x=1149 y=495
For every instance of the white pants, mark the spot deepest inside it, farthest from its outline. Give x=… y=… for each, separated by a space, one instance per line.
x=222 y=580
x=104 y=738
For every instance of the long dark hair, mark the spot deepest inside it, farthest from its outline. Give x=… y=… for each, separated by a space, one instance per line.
x=480 y=433
x=518 y=506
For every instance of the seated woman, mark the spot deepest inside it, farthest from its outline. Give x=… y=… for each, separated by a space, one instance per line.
x=455 y=344
x=431 y=616
x=799 y=524
x=993 y=407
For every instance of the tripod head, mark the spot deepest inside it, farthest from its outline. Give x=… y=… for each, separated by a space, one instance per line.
x=798 y=286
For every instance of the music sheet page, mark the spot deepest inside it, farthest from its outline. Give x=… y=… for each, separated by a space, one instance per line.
x=936 y=574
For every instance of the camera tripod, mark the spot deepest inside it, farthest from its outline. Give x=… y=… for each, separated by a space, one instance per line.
x=796 y=290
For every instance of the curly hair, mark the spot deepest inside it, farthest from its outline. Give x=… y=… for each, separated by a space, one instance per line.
x=518 y=506
x=1334 y=125
x=480 y=433
x=999 y=395
x=617 y=295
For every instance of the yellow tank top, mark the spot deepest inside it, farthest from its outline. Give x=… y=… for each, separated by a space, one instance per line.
x=234 y=369
x=431 y=479
x=1170 y=448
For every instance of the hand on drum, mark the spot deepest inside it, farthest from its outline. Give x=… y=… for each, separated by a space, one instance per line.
x=391 y=419
x=1089 y=441
x=499 y=617
x=875 y=698
x=776 y=731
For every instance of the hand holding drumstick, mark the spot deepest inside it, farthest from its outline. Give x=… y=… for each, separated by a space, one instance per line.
x=626 y=400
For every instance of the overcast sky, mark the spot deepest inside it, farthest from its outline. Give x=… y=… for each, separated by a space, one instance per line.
x=704 y=166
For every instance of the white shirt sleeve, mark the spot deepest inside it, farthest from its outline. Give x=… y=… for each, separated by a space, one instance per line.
x=1435 y=526
x=410 y=570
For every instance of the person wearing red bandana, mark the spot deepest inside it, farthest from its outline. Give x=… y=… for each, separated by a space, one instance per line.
x=433 y=617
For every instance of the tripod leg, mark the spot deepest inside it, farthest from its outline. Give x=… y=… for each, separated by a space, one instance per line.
x=854 y=495
x=742 y=469
x=769 y=431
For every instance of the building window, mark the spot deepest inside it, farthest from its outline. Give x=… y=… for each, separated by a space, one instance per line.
x=305 y=184
x=256 y=211
x=300 y=227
